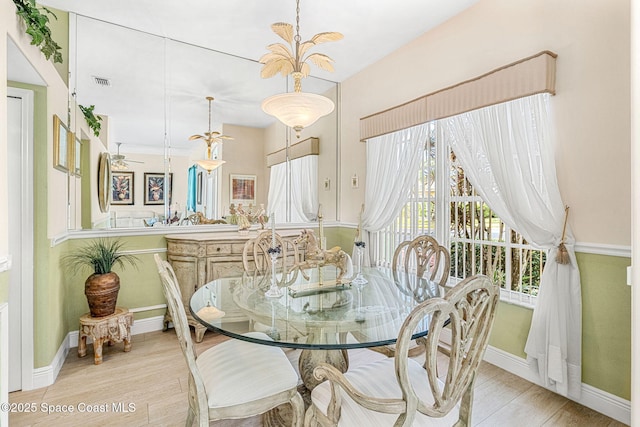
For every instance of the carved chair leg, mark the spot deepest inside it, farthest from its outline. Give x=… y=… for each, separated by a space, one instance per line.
x=200 y=330
x=309 y=418
x=466 y=403
x=297 y=404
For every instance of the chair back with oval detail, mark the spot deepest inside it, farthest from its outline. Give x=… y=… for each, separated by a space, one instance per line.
x=256 y=257
x=400 y=392
x=423 y=256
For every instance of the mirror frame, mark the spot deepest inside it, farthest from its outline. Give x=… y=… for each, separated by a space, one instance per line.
x=104 y=182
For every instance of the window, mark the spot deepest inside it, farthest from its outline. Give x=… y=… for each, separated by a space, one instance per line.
x=442 y=203
x=482 y=244
x=293 y=190
x=418 y=216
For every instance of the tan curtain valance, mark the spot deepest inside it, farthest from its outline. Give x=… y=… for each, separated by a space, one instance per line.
x=529 y=76
x=303 y=148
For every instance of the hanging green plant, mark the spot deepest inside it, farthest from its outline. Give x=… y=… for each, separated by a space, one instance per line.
x=37 y=20
x=92 y=120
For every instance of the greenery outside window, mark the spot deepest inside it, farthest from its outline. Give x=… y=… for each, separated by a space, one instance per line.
x=444 y=204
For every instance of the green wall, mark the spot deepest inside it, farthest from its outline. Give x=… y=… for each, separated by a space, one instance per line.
x=606 y=324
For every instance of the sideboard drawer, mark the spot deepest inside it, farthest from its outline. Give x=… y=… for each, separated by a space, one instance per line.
x=218 y=249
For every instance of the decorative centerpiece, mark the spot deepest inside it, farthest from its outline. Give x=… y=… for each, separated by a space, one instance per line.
x=101 y=288
x=245 y=217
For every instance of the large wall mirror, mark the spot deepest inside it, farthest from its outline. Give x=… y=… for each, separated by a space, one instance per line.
x=152 y=92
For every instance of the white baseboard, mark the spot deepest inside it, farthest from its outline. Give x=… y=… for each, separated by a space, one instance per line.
x=601 y=401
x=45 y=376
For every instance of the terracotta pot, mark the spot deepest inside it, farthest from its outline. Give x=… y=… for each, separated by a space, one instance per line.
x=102 y=293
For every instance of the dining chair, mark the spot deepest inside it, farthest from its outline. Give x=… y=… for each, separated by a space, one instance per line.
x=255 y=254
x=399 y=391
x=424 y=258
x=233 y=379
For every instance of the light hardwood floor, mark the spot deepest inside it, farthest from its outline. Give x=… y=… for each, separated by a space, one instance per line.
x=147 y=386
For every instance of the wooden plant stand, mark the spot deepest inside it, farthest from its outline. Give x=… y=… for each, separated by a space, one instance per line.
x=113 y=328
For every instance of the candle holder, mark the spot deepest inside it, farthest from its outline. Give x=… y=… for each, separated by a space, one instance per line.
x=359 y=279
x=359 y=282
x=273 y=332
x=274 y=291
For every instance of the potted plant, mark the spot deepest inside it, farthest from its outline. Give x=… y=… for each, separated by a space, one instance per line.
x=101 y=288
x=92 y=120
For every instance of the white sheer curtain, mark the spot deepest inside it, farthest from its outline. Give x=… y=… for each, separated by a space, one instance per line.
x=392 y=170
x=303 y=198
x=507 y=154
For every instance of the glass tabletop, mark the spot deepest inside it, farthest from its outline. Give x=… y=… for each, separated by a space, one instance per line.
x=313 y=312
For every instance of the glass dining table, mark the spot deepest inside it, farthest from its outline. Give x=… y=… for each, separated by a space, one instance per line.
x=313 y=312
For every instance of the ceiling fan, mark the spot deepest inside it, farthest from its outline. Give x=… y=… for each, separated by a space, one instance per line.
x=117 y=160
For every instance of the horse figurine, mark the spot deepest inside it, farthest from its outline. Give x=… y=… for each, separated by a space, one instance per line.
x=315 y=257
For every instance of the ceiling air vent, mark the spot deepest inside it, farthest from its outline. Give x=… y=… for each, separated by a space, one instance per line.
x=101 y=81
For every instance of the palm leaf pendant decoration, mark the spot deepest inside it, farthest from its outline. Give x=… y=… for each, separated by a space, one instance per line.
x=294 y=59
x=210 y=137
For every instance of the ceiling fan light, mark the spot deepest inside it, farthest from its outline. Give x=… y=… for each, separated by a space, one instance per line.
x=297 y=109
x=119 y=165
x=210 y=164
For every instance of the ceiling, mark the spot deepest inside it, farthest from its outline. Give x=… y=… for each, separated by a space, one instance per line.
x=163 y=57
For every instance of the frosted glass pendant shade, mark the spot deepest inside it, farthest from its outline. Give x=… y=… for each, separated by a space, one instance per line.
x=210 y=164
x=297 y=109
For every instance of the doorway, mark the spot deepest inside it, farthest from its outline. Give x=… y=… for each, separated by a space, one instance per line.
x=20 y=103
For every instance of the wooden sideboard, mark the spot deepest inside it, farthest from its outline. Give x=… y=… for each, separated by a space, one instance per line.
x=199 y=258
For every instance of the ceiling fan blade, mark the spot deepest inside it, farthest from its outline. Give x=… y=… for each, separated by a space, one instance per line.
x=135 y=161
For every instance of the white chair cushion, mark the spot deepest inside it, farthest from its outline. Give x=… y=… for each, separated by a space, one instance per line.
x=378 y=379
x=236 y=372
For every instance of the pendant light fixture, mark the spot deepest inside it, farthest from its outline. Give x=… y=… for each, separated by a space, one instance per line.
x=209 y=163
x=296 y=109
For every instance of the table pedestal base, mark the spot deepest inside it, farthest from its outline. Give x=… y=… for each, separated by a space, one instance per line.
x=309 y=359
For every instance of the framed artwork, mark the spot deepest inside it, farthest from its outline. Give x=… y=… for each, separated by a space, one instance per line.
x=122 y=188
x=242 y=189
x=77 y=157
x=199 y=189
x=156 y=189
x=61 y=148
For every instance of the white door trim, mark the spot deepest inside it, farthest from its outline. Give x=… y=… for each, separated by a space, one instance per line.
x=27 y=255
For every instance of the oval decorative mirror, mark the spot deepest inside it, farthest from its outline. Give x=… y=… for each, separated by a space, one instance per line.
x=104 y=181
